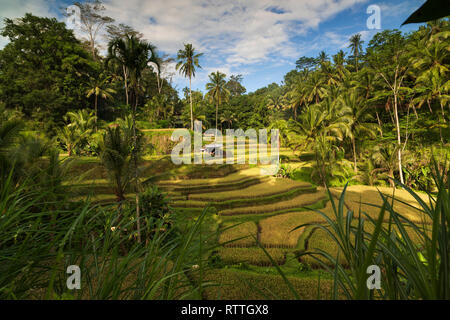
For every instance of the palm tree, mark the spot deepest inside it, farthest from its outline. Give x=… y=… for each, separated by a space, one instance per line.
x=188 y=60
x=70 y=137
x=135 y=56
x=322 y=58
x=227 y=117
x=80 y=125
x=356 y=47
x=432 y=86
x=359 y=119
x=314 y=87
x=384 y=157
x=275 y=102
x=99 y=87
x=84 y=120
x=339 y=64
x=217 y=91
x=116 y=157
x=311 y=123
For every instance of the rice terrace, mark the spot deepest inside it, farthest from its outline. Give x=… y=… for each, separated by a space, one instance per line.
x=248 y=153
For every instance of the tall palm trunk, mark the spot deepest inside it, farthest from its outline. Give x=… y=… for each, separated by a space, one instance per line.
x=354 y=154
x=217 y=113
x=379 y=124
x=125 y=77
x=190 y=97
x=136 y=168
x=399 y=140
x=96 y=102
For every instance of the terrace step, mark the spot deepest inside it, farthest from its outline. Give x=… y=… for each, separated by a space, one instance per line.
x=272 y=186
x=247 y=200
x=296 y=203
x=204 y=188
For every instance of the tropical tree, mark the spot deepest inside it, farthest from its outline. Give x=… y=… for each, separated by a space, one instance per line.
x=356 y=47
x=391 y=46
x=339 y=61
x=135 y=56
x=314 y=87
x=70 y=137
x=432 y=86
x=188 y=60
x=275 y=102
x=217 y=90
x=228 y=117
x=99 y=87
x=80 y=125
x=116 y=157
x=359 y=117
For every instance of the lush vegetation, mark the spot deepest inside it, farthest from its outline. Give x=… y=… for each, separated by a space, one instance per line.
x=87 y=180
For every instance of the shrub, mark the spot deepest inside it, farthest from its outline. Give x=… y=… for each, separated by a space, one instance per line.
x=155 y=210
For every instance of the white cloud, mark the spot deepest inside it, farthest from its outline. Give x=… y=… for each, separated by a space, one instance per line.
x=234 y=34
x=241 y=32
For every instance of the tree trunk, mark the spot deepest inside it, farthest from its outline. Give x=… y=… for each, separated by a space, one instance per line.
x=93 y=50
x=217 y=113
x=442 y=109
x=136 y=169
x=190 y=97
x=379 y=124
x=125 y=77
x=399 y=139
x=391 y=182
x=158 y=81
x=354 y=154
x=96 y=101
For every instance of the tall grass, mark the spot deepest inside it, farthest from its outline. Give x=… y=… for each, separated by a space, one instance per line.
x=40 y=236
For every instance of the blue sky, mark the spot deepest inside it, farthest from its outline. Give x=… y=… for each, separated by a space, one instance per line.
x=260 y=39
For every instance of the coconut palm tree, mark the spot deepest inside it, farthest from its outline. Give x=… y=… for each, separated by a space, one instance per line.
x=217 y=91
x=314 y=87
x=188 y=60
x=228 y=117
x=135 y=56
x=99 y=87
x=339 y=61
x=275 y=102
x=432 y=86
x=359 y=117
x=356 y=47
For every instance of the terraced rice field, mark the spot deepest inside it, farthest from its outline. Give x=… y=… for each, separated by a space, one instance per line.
x=253 y=208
